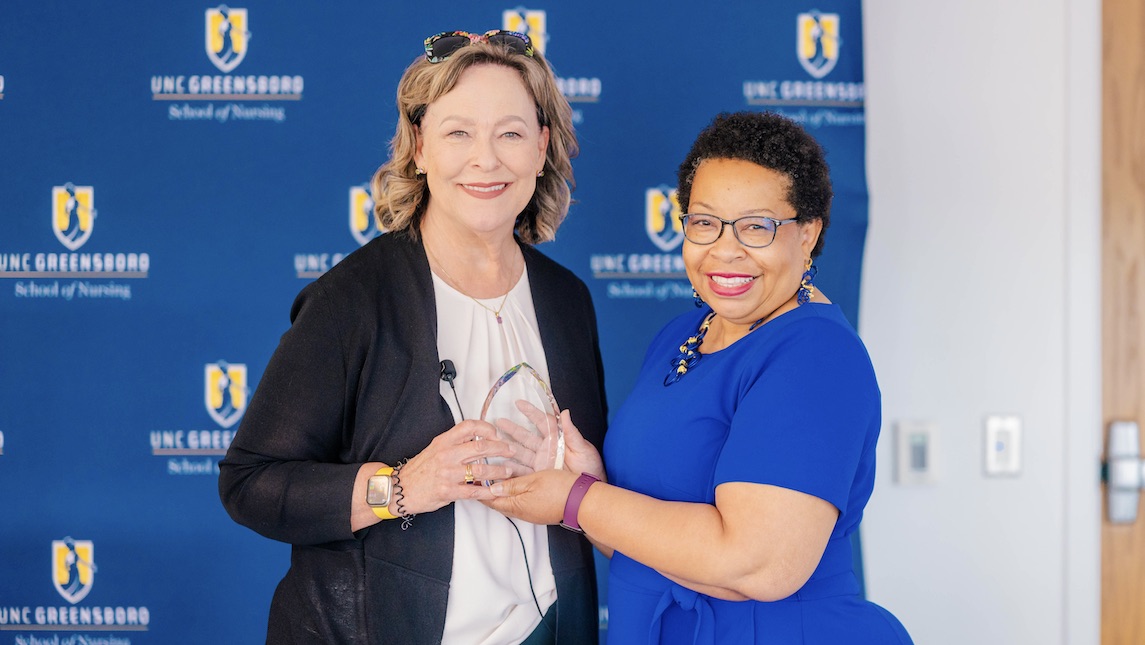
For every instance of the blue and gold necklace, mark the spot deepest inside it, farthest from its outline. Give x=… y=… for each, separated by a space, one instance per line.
x=688 y=356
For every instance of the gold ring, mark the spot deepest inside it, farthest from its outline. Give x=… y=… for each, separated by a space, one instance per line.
x=468 y=473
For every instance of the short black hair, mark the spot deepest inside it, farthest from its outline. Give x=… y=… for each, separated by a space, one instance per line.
x=774 y=142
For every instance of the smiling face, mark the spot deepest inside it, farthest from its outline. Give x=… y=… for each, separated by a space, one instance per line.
x=743 y=284
x=481 y=147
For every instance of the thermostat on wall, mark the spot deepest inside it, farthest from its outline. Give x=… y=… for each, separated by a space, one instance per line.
x=915 y=448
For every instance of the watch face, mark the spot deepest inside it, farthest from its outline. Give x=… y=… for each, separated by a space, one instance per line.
x=378 y=490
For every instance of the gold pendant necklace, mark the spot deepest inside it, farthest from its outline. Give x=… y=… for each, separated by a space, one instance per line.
x=457 y=285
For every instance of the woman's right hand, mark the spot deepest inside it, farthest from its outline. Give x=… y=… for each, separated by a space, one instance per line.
x=437 y=475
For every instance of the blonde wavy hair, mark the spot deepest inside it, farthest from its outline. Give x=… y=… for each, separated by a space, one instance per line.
x=400 y=196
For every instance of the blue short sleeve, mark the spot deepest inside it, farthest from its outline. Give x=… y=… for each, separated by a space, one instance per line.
x=808 y=415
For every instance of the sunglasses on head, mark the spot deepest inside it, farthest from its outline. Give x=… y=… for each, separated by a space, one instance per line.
x=441 y=46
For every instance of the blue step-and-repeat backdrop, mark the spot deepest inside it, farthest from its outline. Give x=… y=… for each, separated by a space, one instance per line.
x=166 y=191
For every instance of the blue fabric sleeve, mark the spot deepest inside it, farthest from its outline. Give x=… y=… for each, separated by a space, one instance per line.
x=806 y=408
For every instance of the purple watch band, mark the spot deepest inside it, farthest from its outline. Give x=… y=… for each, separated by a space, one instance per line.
x=576 y=495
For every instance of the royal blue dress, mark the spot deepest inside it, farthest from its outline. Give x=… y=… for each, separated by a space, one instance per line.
x=793 y=404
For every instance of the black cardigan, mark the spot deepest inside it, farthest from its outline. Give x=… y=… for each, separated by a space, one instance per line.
x=355 y=379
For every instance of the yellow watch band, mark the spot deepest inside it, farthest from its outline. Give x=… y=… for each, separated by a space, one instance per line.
x=383 y=512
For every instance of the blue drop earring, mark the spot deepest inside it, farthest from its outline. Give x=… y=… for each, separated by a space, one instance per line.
x=806 y=285
x=696 y=298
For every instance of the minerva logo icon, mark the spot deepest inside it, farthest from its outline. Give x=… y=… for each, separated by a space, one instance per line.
x=227 y=37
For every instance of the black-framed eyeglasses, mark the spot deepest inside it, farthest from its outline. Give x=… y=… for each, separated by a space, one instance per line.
x=441 y=46
x=754 y=231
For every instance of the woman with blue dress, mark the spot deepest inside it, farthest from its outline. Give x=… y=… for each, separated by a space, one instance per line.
x=741 y=462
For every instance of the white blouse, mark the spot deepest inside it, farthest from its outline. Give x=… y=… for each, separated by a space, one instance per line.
x=489 y=597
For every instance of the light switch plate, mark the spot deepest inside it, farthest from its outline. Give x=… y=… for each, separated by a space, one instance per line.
x=1003 y=445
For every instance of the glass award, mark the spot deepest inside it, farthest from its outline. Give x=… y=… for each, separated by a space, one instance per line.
x=524 y=411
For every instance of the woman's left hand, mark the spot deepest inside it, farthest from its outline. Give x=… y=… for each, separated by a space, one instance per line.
x=538 y=498
x=538 y=449
x=580 y=455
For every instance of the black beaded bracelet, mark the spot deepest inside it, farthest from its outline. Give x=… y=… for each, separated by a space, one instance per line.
x=399 y=496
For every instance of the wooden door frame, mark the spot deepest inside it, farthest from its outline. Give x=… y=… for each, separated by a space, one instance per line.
x=1123 y=285
x=1082 y=399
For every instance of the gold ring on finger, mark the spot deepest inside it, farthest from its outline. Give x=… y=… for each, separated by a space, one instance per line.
x=468 y=473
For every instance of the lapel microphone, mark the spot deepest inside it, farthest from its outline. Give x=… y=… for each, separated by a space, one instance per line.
x=448 y=373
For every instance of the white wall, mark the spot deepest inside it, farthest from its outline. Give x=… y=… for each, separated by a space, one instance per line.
x=980 y=296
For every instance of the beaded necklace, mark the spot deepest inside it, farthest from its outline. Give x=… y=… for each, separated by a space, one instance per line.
x=688 y=356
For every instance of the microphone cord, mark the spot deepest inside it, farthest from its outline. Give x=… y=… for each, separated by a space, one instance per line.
x=448 y=373
x=532 y=591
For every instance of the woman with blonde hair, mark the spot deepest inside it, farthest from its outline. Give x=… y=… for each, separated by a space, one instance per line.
x=356 y=450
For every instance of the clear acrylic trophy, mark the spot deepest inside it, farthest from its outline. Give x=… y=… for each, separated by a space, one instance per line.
x=524 y=411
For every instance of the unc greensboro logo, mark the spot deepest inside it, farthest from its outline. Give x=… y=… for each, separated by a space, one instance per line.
x=363 y=224
x=227 y=36
x=73 y=214
x=530 y=22
x=73 y=568
x=225 y=392
x=662 y=218
x=817 y=42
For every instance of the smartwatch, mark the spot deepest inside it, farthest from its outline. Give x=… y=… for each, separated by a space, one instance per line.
x=379 y=492
x=572 y=506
